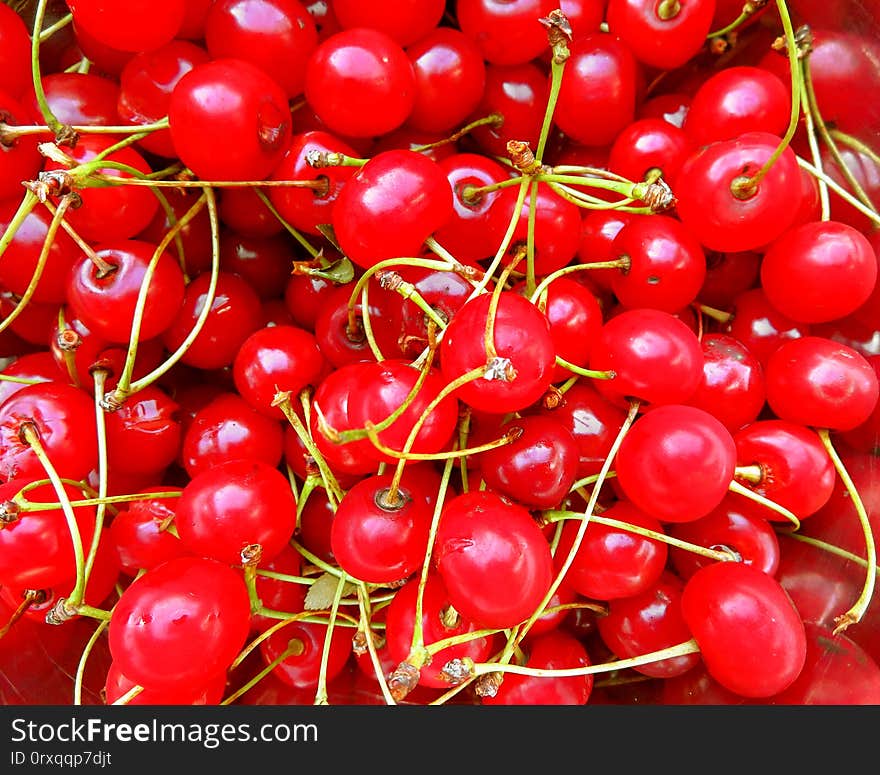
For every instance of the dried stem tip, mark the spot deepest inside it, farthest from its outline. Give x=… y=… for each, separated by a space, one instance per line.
x=522 y=157
x=403 y=680
x=558 y=34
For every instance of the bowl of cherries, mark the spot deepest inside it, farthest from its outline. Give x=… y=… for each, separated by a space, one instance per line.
x=482 y=352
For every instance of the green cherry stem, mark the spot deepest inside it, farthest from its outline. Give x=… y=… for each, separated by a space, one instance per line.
x=53 y=123
x=28 y=202
x=857 y=611
x=83 y=660
x=321 y=691
x=741 y=489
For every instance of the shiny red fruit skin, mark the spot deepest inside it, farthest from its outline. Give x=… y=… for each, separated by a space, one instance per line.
x=751 y=637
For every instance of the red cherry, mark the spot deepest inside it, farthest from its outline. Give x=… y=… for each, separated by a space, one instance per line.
x=727 y=276
x=538 y=468
x=117 y=685
x=552 y=650
x=107 y=303
x=751 y=637
x=400 y=184
x=234 y=504
x=276 y=358
x=506 y=31
x=659 y=38
x=521 y=335
x=789 y=456
x=649 y=621
x=653 y=355
x=36 y=547
x=63 y=417
x=818 y=272
x=352 y=71
x=139 y=26
x=819 y=382
x=15 y=65
x=278 y=36
x=611 y=562
x=377 y=537
x=78 y=99
x=247 y=102
x=723 y=217
x=647 y=145
x=144 y=434
x=668 y=445
x=736 y=524
x=278 y=594
x=305 y=664
x=482 y=540
x=180 y=623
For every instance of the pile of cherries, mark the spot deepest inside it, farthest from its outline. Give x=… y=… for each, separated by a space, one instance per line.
x=484 y=352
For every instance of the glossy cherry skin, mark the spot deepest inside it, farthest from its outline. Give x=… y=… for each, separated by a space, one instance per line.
x=553 y=650
x=822 y=383
x=601 y=79
x=276 y=358
x=262 y=262
x=78 y=99
x=658 y=40
x=751 y=637
x=36 y=548
x=728 y=275
x=667 y=446
x=117 y=685
x=139 y=26
x=647 y=145
x=247 y=102
x=139 y=532
x=235 y=314
x=15 y=72
x=732 y=389
x=110 y=213
x=483 y=539
x=63 y=416
x=234 y=504
x=612 y=562
x=654 y=356
x=241 y=210
x=450 y=75
x=599 y=228
x=760 y=326
x=738 y=99
x=192 y=244
x=505 y=30
x=538 y=468
x=19 y=158
x=736 y=524
x=179 y=623
x=820 y=271
x=402 y=185
x=303 y=669
x=406 y=22
x=575 y=316
x=479 y=221
x=351 y=72
x=304 y=208
x=790 y=455
x=667 y=265
x=145 y=86
x=388 y=385
x=21 y=257
x=278 y=36
x=519 y=94
x=438 y=623
x=107 y=304
x=521 y=334
x=376 y=538
x=715 y=215
x=649 y=621
x=144 y=434
x=39 y=366
x=592 y=420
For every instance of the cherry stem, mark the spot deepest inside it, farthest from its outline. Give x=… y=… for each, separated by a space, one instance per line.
x=868 y=212
x=331 y=485
x=39 y=92
x=28 y=202
x=31 y=437
x=489 y=332
x=366 y=622
x=680 y=649
x=745 y=186
x=321 y=691
x=754 y=474
x=84 y=658
x=668 y=9
x=587 y=515
x=539 y=295
x=418 y=654
x=493 y=119
x=48 y=32
x=10 y=132
x=857 y=611
x=295 y=233
x=367 y=325
x=716 y=314
x=826 y=547
x=748 y=10
x=741 y=489
x=128 y=696
x=582 y=372
x=104 y=268
x=722 y=555
x=321 y=159
x=51 y=231
x=815 y=153
x=29 y=506
x=28 y=598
